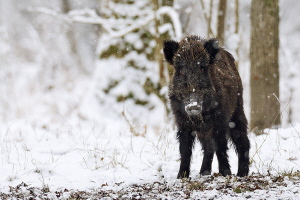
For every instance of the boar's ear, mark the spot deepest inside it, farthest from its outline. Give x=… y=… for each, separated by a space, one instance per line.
x=170 y=47
x=212 y=47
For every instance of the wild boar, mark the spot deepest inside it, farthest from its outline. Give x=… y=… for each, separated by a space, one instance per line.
x=206 y=96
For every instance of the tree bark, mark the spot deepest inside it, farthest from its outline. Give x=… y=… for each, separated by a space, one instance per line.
x=221 y=21
x=163 y=66
x=237 y=24
x=159 y=41
x=264 y=81
x=208 y=18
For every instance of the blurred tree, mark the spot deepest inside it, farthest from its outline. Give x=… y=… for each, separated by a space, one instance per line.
x=66 y=7
x=80 y=37
x=208 y=17
x=221 y=21
x=137 y=44
x=159 y=38
x=264 y=81
x=221 y=12
x=236 y=31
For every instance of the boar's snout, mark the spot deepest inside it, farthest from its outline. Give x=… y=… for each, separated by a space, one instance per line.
x=193 y=105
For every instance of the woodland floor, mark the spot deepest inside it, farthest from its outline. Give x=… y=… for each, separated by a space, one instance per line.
x=285 y=186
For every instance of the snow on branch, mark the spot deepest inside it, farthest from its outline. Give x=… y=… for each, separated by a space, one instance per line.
x=89 y=16
x=167 y=10
x=136 y=25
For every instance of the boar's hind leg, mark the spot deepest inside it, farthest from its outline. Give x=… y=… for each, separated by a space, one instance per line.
x=221 y=151
x=241 y=142
x=186 y=143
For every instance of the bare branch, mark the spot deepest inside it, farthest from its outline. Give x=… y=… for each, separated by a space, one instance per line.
x=208 y=18
x=89 y=16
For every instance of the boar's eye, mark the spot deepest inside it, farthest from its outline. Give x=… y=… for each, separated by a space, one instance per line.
x=202 y=65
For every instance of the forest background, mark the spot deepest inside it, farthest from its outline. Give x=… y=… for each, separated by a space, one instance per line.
x=63 y=40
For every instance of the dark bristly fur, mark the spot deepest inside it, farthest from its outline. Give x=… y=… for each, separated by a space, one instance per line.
x=208 y=73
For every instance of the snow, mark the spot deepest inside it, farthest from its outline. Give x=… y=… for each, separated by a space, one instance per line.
x=59 y=129
x=231 y=124
x=175 y=19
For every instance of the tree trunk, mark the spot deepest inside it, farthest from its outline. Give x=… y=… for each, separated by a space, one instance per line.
x=221 y=21
x=163 y=66
x=208 y=18
x=237 y=24
x=264 y=81
x=66 y=7
x=159 y=41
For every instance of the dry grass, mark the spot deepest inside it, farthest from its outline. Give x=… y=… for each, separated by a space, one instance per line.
x=214 y=186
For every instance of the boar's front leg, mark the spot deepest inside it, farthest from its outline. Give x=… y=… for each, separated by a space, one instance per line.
x=221 y=151
x=208 y=147
x=186 y=143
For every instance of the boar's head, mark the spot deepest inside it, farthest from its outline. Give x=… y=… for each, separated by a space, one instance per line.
x=191 y=85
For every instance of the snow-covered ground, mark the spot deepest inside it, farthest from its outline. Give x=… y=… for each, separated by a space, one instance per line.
x=58 y=137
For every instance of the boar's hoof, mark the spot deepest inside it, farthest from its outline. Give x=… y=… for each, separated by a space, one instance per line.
x=241 y=174
x=205 y=173
x=226 y=172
